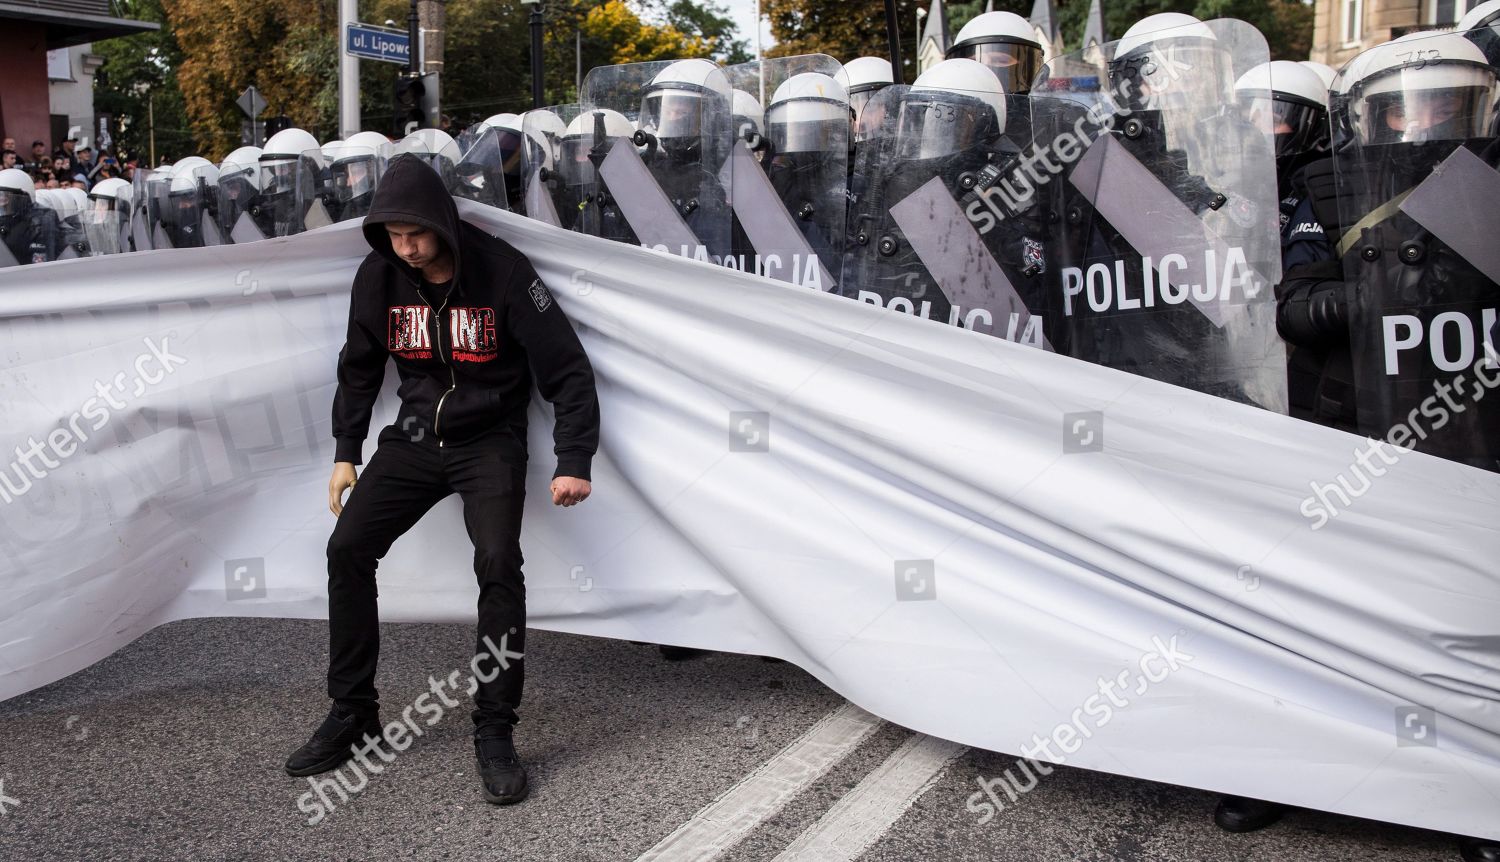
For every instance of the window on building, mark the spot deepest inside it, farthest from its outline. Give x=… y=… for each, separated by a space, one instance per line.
x=1354 y=14
x=1445 y=13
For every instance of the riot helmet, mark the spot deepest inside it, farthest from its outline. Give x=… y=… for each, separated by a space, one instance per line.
x=749 y=119
x=283 y=163
x=1325 y=72
x=435 y=147
x=1169 y=61
x=1481 y=25
x=674 y=114
x=579 y=143
x=1440 y=88
x=861 y=79
x=1006 y=43
x=954 y=106
x=354 y=169
x=809 y=113
x=109 y=196
x=17 y=194
x=1287 y=101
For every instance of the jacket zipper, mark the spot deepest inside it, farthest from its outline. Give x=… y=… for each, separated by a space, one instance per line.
x=438 y=323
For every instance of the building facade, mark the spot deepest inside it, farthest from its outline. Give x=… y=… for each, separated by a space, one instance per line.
x=1343 y=28
x=29 y=29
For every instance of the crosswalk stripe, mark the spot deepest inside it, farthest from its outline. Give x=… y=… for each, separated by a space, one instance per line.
x=726 y=821
x=868 y=811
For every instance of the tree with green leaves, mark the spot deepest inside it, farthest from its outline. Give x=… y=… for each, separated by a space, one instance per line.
x=137 y=81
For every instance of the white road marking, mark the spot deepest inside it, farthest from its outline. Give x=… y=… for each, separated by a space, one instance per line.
x=869 y=810
x=726 y=821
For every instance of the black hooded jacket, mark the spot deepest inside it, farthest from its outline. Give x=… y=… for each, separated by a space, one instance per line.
x=467 y=359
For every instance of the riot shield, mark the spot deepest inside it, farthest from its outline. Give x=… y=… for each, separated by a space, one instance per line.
x=315 y=190
x=289 y=199
x=437 y=149
x=666 y=183
x=542 y=187
x=107 y=226
x=788 y=169
x=189 y=216
x=491 y=161
x=238 y=191
x=921 y=240
x=72 y=240
x=1419 y=186
x=1164 y=249
x=140 y=239
x=354 y=170
x=153 y=197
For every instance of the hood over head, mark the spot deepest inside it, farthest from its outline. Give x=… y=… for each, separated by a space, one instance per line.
x=411 y=191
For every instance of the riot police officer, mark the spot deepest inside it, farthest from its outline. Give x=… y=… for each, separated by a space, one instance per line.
x=239 y=190
x=1423 y=118
x=489 y=170
x=919 y=242
x=192 y=199
x=541 y=186
x=861 y=79
x=30 y=234
x=354 y=169
x=684 y=126
x=1007 y=44
x=1164 y=246
x=291 y=168
x=586 y=205
x=807 y=127
x=106 y=220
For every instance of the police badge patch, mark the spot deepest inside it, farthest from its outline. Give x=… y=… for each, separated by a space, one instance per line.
x=540 y=296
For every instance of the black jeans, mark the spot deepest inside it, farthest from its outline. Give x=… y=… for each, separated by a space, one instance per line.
x=407 y=475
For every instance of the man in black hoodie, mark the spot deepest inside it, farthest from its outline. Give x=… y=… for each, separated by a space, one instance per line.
x=469 y=325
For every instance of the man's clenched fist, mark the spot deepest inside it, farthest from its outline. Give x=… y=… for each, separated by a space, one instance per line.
x=568 y=491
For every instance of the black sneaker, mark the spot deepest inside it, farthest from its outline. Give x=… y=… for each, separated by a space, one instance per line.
x=500 y=770
x=680 y=653
x=332 y=743
x=1242 y=814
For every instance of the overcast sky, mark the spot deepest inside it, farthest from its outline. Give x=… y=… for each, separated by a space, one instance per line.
x=743 y=13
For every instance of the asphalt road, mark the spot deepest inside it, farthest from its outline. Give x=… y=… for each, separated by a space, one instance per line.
x=172 y=749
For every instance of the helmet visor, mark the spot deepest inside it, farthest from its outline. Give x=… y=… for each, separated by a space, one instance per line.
x=101 y=208
x=939 y=124
x=1296 y=127
x=808 y=125
x=869 y=114
x=1414 y=116
x=278 y=177
x=673 y=113
x=13 y=202
x=352 y=179
x=1173 y=74
x=1015 y=64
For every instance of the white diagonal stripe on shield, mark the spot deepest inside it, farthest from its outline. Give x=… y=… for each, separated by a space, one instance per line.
x=955 y=255
x=1460 y=203
x=765 y=219
x=646 y=207
x=538 y=203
